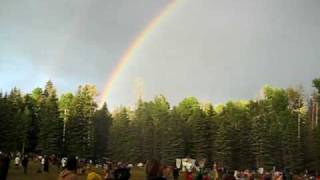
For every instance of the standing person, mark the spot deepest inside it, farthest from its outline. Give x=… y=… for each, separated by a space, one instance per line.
x=189 y=176
x=213 y=173
x=206 y=175
x=25 y=161
x=69 y=173
x=176 y=173
x=92 y=175
x=4 y=166
x=199 y=174
x=166 y=171
x=109 y=172
x=122 y=172
x=63 y=162
x=46 y=164
x=154 y=171
x=17 y=161
x=42 y=161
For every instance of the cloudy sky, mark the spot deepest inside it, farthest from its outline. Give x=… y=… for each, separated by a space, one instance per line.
x=216 y=50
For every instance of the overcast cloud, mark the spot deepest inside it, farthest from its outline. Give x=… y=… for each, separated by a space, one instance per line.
x=214 y=50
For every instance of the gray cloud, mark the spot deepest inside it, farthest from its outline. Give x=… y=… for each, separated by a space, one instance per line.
x=211 y=49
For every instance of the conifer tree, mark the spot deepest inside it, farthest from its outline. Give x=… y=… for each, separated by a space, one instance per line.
x=51 y=125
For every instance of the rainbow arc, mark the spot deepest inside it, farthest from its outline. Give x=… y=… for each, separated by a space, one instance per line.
x=130 y=51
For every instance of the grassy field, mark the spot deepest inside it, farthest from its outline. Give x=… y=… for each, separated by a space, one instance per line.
x=16 y=173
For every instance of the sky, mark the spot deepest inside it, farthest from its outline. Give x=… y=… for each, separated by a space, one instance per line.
x=215 y=50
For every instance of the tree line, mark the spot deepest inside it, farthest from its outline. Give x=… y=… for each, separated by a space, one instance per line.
x=278 y=129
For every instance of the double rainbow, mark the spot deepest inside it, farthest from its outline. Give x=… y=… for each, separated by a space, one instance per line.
x=134 y=45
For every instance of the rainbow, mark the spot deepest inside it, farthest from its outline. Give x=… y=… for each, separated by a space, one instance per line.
x=134 y=45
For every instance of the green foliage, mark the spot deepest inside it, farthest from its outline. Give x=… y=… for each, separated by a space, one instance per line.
x=120 y=135
x=316 y=84
x=102 y=122
x=80 y=127
x=277 y=130
x=51 y=125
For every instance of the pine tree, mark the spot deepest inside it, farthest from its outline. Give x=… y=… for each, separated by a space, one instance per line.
x=316 y=129
x=79 y=128
x=15 y=122
x=186 y=108
x=173 y=146
x=223 y=155
x=32 y=137
x=102 y=123
x=160 y=118
x=51 y=125
x=66 y=109
x=261 y=142
x=201 y=134
x=120 y=135
x=211 y=119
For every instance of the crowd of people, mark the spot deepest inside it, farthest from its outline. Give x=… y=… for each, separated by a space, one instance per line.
x=202 y=171
x=73 y=167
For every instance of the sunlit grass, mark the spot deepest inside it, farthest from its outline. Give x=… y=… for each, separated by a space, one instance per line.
x=16 y=173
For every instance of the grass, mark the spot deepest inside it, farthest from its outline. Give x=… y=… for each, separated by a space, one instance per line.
x=16 y=173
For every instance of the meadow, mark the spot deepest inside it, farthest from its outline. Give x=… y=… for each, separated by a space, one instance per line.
x=16 y=173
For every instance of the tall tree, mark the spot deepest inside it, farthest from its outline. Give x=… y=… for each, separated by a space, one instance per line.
x=80 y=129
x=120 y=135
x=102 y=123
x=51 y=125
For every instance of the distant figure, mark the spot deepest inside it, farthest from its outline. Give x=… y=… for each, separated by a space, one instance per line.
x=199 y=174
x=122 y=172
x=93 y=175
x=166 y=171
x=69 y=173
x=4 y=166
x=63 y=162
x=176 y=173
x=229 y=177
x=42 y=160
x=189 y=176
x=17 y=161
x=46 y=164
x=206 y=175
x=24 y=162
x=109 y=172
x=267 y=177
x=214 y=173
x=154 y=171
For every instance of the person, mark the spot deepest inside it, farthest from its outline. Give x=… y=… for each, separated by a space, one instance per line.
x=17 y=161
x=214 y=172
x=176 y=173
x=108 y=171
x=63 y=162
x=4 y=166
x=229 y=177
x=199 y=171
x=46 y=164
x=154 y=171
x=267 y=176
x=166 y=171
x=122 y=172
x=92 y=175
x=69 y=173
x=189 y=175
x=42 y=160
x=206 y=175
x=24 y=163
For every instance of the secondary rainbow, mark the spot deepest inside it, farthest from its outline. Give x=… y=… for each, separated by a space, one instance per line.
x=135 y=44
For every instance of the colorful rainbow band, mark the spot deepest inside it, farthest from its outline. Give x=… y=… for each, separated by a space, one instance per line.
x=128 y=54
